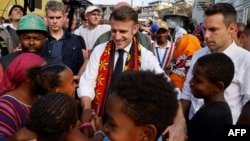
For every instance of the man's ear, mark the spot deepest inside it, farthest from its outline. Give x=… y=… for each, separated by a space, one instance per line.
x=149 y=133
x=232 y=28
x=135 y=28
x=220 y=86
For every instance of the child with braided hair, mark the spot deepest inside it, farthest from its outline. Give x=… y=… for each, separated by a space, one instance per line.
x=53 y=117
x=53 y=78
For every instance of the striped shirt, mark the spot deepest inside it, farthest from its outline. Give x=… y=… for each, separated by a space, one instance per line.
x=13 y=115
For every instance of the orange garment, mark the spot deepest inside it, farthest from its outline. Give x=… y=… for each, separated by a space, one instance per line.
x=186 y=46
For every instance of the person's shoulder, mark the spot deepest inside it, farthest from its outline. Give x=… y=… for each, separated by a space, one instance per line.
x=241 y=54
x=104 y=26
x=73 y=37
x=217 y=109
x=145 y=50
x=203 y=50
x=7 y=100
x=242 y=51
x=9 y=56
x=99 y=48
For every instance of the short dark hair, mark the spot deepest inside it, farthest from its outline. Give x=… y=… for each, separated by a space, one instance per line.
x=46 y=78
x=125 y=13
x=149 y=98
x=54 y=6
x=226 y=9
x=218 y=68
x=14 y=6
x=52 y=116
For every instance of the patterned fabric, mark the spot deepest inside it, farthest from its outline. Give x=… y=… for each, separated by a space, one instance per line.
x=13 y=115
x=104 y=77
x=186 y=46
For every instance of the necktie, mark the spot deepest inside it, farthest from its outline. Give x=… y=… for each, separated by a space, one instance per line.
x=119 y=64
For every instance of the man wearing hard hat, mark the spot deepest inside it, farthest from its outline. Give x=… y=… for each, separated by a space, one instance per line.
x=32 y=33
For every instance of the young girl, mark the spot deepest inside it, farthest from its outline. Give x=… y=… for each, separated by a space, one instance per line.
x=53 y=78
x=53 y=117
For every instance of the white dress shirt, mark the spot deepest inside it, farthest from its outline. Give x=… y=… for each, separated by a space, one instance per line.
x=238 y=92
x=87 y=82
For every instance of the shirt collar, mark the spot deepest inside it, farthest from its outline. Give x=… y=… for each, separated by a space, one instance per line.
x=127 y=48
x=167 y=46
x=230 y=49
x=12 y=26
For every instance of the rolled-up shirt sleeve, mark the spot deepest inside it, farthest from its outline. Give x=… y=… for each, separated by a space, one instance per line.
x=87 y=82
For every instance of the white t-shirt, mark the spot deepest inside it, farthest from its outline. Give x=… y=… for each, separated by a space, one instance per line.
x=90 y=36
x=78 y=30
x=238 y=92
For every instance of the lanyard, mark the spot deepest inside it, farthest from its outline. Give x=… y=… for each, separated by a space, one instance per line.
x=164 y=56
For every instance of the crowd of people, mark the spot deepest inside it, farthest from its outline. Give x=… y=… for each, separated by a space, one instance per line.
x=122 y=80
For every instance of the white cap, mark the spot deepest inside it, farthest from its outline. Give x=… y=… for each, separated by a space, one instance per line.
x=92 y=8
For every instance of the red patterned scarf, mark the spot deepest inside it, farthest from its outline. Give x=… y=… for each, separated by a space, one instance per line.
x=106 y=65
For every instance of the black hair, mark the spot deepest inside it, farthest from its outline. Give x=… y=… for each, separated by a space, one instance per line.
x=226 y=9
x=14 y=6
x=125 y=13
x=149 y=98
x=218 y=68
x=52 y=116
x=46 y=78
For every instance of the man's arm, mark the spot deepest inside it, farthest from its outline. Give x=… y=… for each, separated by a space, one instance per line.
x=84 y=65
x=178 y=130
x=185 y=107
x=87 y=84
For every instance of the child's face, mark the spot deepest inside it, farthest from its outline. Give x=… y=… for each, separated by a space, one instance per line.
x=68 y=84
x=200 y=86
x=119 y=127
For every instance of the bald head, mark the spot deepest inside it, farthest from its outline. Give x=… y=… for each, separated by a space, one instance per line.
x=121 y=4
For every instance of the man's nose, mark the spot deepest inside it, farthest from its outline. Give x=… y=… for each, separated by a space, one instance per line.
x=117 y=36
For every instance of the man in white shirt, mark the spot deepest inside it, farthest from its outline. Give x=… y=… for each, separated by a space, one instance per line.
x=219 y=26
x=99 y=76
x=123 y=31
x=94 y=29
x=163 y=48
